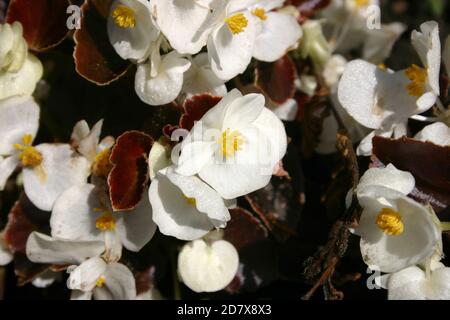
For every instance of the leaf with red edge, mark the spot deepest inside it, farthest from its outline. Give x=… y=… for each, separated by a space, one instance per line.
x=195 y=107
x=307 y=8
x=129 y=175
x=277 y=79
x=427 y=162
x=95 y=58
x=43 y=21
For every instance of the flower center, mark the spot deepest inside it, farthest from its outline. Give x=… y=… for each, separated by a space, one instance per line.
x=106 y=222
x=102 y=166
x=418 y=77
x=390 y=222
x=100 y=282
x=230 y=142
x=190 y=201
x=237 y=23
x=29 y=156
x=124 y=16
x=361 y=3
x=260 y=13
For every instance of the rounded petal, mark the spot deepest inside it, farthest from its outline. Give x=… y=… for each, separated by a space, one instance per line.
x=207 y=200
x=243 y=111
x=134 y=42
x=393 y=253
x=280 y=32
x=408 y=284
x=167 y=85
x=60 y=169
x=44 y=249
x=22 y=82
x=389 y=177
x=119 y=284
x=438 y=133
x=136 y=228
x=172 y=212
x=85 y=276
x=230 y=55
x=88 y=145
x=158 y=158
x=180 y=22
x=440 y=282
x=194 y=156
x=73 y=215
x=205 y=267
x=19 y=116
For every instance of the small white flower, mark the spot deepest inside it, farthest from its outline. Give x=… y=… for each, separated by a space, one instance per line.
x=235 y=146
x=206 y=266
x=200 y=78
x=185 y=207
x=396 y=232
x=103 y=281
x=438 y=133
x=84 y=212
x=414 y=283
x=131 y=30
x=277 y=31
x=159 y=81
x=19 y=70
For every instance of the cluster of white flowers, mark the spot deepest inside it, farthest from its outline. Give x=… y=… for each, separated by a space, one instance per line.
x=233 y=31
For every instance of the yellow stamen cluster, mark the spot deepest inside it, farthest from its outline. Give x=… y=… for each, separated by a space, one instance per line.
x=260 y=13
x=106 y=222
x=100 y=282
x=29 y=156
x=102 y=166
x=237 y=23
x=390 y=221
x=230 y=142
x=190 y=201
x=124 y=16
x=418 y=77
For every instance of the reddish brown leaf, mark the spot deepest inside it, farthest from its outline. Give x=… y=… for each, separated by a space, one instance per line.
x=428 y=163
x=195 y=107
x=277 y=79
x=307 y=8
x=95 y=58
x=129 y=176
x=43 y=21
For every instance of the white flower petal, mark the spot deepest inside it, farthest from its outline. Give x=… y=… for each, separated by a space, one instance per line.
x=44 y=249
x=73 y=215
x=135 y=42
x=280 y=32
x=22 y=82
x=229 y=54
x=408 y=284
x=80 y=131
x=205 y=267
x=46 y=279
x=365 y=147
x=243 y=111
x=88 y=146
x=194 y=156
x=158 y=158
x=80 y=295
x=180 y=22
x=166 y=85
x=60 y=169
x=440 y=282
x=172 y=212
x=379 y=42
x=19 y=116
x=85 y=276
x=120 y=283
x=438 y=133
x=7 y=167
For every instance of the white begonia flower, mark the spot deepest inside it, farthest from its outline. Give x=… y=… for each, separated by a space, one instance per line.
x=206 y=266
x=314 y=44
x=159 y=81
x=102 y=280
x=414 y=283
x=19 y=70
x=19 y=121
x=438 y=133
x=87 y=143
x=235 y=146
x=382 y=100
x=5 y=255
x=131 y=29
x=200 y=78
x=277 y=32
x=84 y=212
x=185 y=207
x=396 y=232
